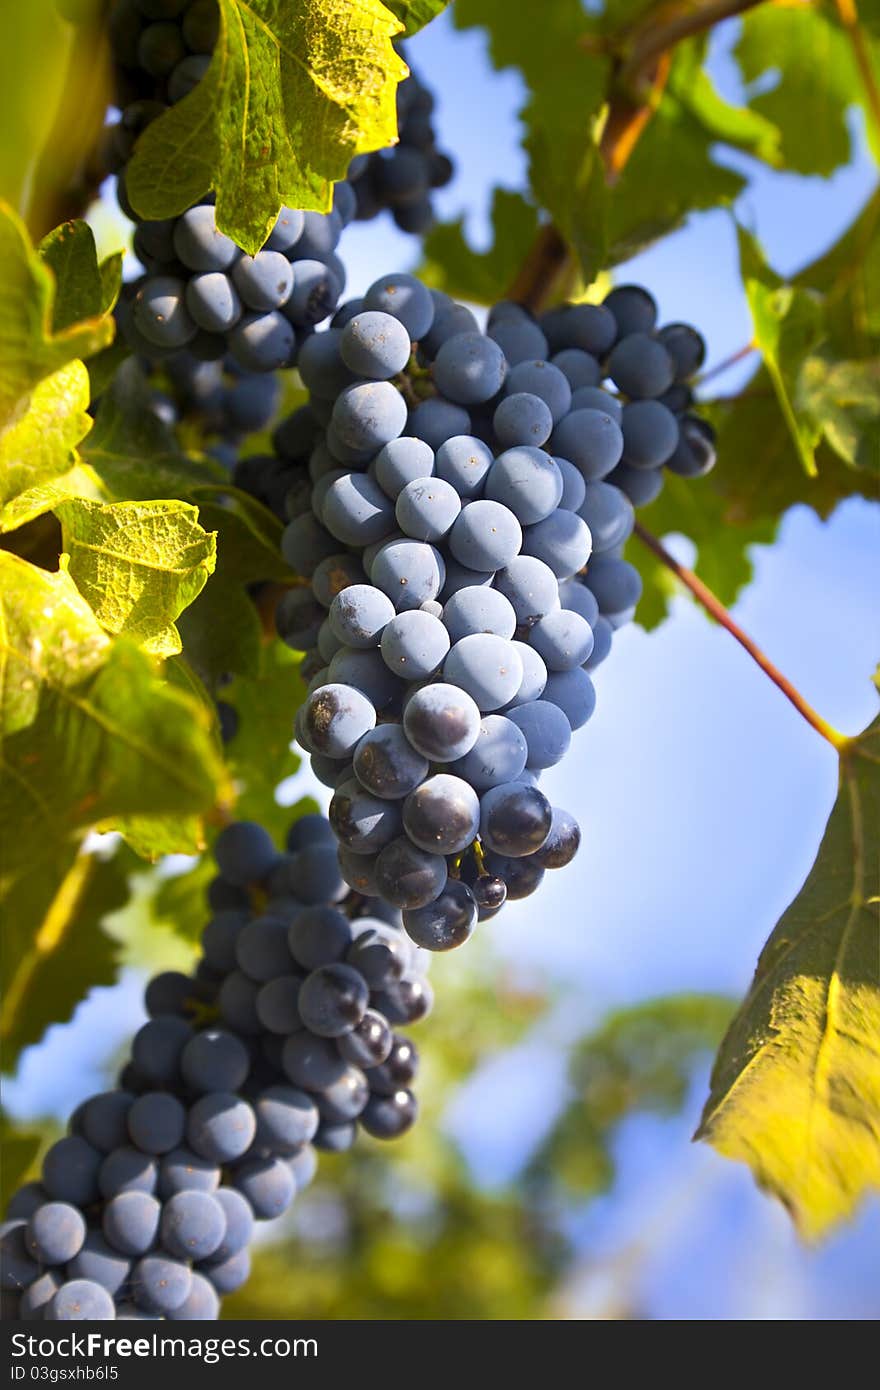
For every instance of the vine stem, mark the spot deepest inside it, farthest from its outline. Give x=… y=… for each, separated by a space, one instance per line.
x=848 y=13
x=727 y=363
x=715 y=608
x=56 y=922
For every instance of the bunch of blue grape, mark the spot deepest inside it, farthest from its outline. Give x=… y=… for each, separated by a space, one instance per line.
x=402 y=178
x=280 y=1043
x=225 y=402
x=459 y=502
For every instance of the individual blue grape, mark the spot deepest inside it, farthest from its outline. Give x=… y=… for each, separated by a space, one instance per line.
x=267 y=1184
x=160 y=48
x=55 y=1233
x=333 y=575
x=401 y=461
x=445 y=923
x=182 y=1170
x=574 y=693
x=18 y=1267
x=414 y=644
x=287 y=231
x=161 y=314
x=617 y=586
x=640 y=366
x=228 y=1275
x=386 y=764
x=650 y=434
x=202 y=1303
x=159 y=1284
x=519 y=340
x=286 y=1119
x=199 y=244
x=193 y=1225
x=563 y=842
x=320 y=235
x=580 y=369
x=597 y=398
x=463 y=461
x=99 y=1262
x=321 y=366
x=574 y=486
x=130 y=1222
x=404 y=298
x=449 y=320
x=608 y=513
x=685 y=346
x=336 y=1138
x=342 y=1102
x=476 y=610
x=298 y=619
x=409 y=877
x=104 y=1115
x=126 y=1169
x=641 y=485
x=156 y=1122
x=436 y=420
x=522 y=418
x=336 y=718
x=387 y=1117
x=694 y=454
x=441 y=722
x=541 y=379
x=442 y=816
x=237 y=1003
x=487 y=667
x=220 y=1127
x=369 y=414
x=80 y=1300
x=264 y=281
x=485 y=536
x=603 y=634
x=220 y=935
x=469 y=368
x=562 y=541
x=459 y=577
x=527 y=481
x=426 y=508
x=522 y=877
x=28 y=1199
x=514 y=819
x=409 y=572
x=333 y=1000
x=156 y=1048
x=499 y=754
x=359 y=614
x=633 y=308
x=373 y=344
x=380 y=953
x=319 y=935
x=70 y=1171
x=490 y=894
x=32 y=1305
x=262 y=953
x=366 y=672
x=214 y=1060
x=305 y=543
x=244 y=852
x=369 y=1044
x=356 y=510
x=316 y=288
x=546 y=730
x=213 y=302
x=362 y=822
x=591 y=327
x=530 y=587
x=591 y=440
x=262 y=342
x=276 y=1004
x=311 y=1062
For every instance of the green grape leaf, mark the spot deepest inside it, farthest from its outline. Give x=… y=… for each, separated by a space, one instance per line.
x=415 y=14
x=808 y=59
x=481 y=277
x=84 y=289
x=294 y=91
x=38 y=452
x=795 y=1092
x=54 y=936
x=641 y=1059
x=740 y=126
x=90 y=733
x=138 y=564
x=788 y=325
x=843 y=398
x=20 y=1148
x=259 y=754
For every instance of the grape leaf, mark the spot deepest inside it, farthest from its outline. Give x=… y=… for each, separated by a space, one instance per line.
x=843 y=398
x=138 y=564
x=795 y=1091
x=38 y=458
x=53 y=935
x=295 y=90
x=20 y=1148
x=742 y=127
x=482 y=277
x=415 y=14
x=84 y=289
x=260 y=754
x=90 y=732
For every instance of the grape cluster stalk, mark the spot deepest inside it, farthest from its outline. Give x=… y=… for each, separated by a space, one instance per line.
x=281 y=1043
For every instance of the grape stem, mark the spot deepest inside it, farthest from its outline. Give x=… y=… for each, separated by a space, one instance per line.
x=848 y=14
x=715 y=608
x=727 y=363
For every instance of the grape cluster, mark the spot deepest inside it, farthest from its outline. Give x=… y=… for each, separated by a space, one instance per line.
x=402 y=178
x=280 y=1043
x=225 y=402
x=458 y=502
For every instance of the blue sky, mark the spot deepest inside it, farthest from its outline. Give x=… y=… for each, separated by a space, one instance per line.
x=702 y=794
